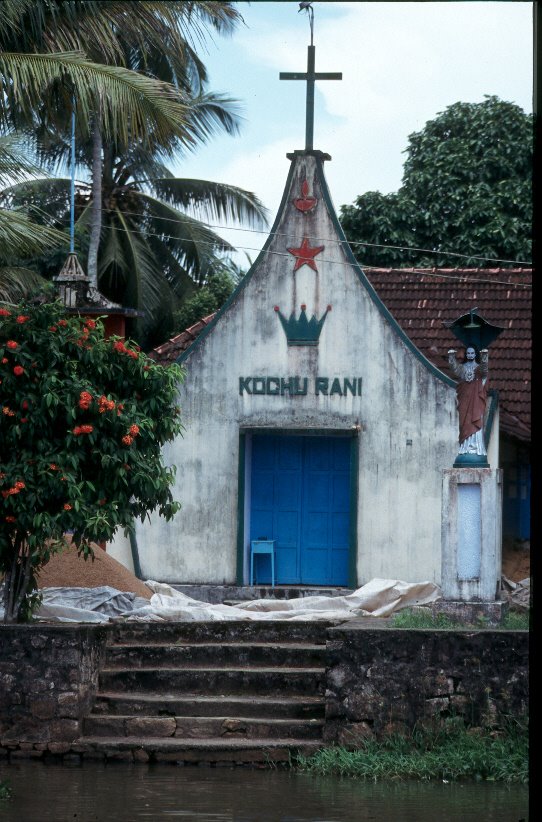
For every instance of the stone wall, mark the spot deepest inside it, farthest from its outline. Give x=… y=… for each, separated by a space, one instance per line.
x=48 y=680
x=384 y=679
x=378 y=679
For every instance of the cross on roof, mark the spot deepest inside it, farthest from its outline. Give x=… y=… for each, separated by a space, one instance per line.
x=310 y=76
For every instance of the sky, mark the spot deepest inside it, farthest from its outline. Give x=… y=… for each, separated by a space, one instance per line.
x=402 y=64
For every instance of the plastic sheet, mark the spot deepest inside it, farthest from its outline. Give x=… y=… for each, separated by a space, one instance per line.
x=378 y=598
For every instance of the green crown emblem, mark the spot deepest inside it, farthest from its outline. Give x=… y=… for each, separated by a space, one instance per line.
x=302 y=331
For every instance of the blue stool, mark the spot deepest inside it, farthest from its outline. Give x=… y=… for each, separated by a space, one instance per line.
x=262 y=546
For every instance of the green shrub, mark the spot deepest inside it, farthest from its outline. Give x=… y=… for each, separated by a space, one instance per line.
x=82 y=424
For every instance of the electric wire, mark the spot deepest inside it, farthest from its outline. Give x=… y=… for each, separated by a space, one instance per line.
x=321 y=240
x=428 y=272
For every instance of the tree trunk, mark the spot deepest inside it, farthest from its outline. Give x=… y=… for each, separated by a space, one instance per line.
x=17 y=581
x=96 y=212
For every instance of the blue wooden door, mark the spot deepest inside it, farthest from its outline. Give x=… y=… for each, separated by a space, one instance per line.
x=300 y=497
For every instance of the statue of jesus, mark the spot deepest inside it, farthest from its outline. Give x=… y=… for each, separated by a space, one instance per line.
x=471 y=398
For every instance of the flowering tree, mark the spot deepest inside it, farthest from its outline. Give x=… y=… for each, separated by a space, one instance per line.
x=82 y=424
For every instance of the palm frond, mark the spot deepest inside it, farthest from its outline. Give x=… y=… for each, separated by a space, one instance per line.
x=170 y=223
x=20 y=237
x=15 y=164
x=131 y=104
x=213 y=201
x=16 y=283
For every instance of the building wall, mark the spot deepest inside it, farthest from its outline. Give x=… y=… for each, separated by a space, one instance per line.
x=405 y=418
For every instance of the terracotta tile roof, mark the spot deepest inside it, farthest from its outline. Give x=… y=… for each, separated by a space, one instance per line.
x=422 y=300
x=172 y=349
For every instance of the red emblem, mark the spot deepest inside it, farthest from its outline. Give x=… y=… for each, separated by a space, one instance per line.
x=305 y=203
x=305 y=254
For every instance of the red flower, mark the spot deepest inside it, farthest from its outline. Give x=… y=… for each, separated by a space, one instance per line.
x=18 y=370
x=84 y=400
x=134 y=430
x=86 y=429
x=63 y=323
x=4 y=360
x=10 y=519
x=105 y=405
x=67 y=506
x=53 y=466
x=24 y=419
x=19 y=484
x=127 y=440
x=102 y=501
x=12 y=344
x=91 y=323
x=21 y=319
x=24 y=405
x=76 y=431
x=4 y=312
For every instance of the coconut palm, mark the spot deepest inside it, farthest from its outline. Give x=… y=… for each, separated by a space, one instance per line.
x=148 y=245
x=20 y=237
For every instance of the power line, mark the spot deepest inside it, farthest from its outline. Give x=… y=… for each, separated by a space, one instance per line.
x=325 y=240
x=424 y=271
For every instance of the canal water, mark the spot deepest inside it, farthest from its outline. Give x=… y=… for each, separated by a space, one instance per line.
x=119 y=792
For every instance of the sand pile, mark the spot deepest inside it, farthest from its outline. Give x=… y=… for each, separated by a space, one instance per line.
x=516 y=560
x=68 y=570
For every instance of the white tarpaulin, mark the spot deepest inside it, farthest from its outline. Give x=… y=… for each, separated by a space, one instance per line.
x=378 y=598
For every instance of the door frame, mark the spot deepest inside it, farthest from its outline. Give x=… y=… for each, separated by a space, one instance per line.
x=244 y=492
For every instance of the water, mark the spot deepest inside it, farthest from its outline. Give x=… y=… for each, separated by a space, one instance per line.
x=119 y=792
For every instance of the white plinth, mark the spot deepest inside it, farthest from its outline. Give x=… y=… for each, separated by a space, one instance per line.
x=471 y=534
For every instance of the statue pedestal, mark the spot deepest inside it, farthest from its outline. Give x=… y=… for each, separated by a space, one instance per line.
x=471 y=534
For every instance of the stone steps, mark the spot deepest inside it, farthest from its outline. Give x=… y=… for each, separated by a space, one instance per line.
x=278 y=707
x=201 y=727
x=232 y=654
x=234 y=692
x=219 y=680
x=172 y=633
x=264 y=752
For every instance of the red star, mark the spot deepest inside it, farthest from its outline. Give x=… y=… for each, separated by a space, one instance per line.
x=305 y=254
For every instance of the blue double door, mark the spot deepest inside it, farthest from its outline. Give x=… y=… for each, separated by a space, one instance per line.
x=300 y=497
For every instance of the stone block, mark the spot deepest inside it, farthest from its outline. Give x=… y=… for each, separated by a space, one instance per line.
x=64 y=730
x=353 y=734
x=25 y=754
x=58 y=747
x=69 y=704
x=151 y=726
x=43 y=707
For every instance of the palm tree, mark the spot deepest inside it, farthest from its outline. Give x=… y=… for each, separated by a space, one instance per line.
x=149 y=247
x=20 y=237
x=37 y=89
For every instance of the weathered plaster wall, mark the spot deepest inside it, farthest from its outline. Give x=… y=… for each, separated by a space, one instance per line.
x=48 y=680
x=406 y=414
x=382 y=679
